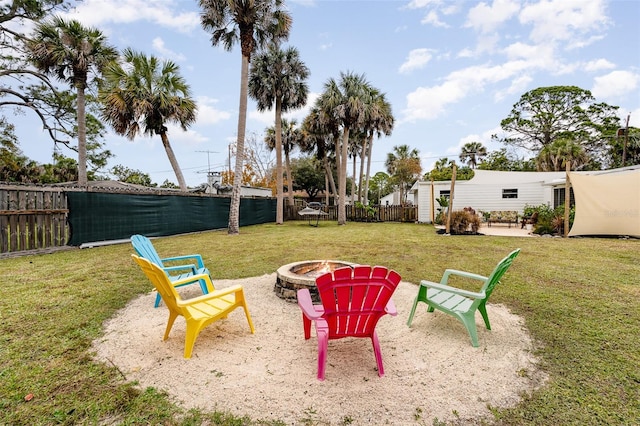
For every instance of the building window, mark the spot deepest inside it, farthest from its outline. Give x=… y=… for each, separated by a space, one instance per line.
x=446 y=194
x=510 y=193
x=558 y=197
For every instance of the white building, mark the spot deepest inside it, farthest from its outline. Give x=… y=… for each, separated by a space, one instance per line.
x=491 y=190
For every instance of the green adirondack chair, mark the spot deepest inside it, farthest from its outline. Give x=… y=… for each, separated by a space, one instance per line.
x=460 y=303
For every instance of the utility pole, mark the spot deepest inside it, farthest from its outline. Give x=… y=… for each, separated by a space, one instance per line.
x=626 y=141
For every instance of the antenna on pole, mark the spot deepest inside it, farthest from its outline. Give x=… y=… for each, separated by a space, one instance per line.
x=209 y=172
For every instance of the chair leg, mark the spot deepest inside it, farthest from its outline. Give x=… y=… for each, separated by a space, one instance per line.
x=483 y=311
x=378 y=352
x=323 y=341
x=421 y=297
x=172 y=319
x=470 y=323
x=248 y=315
x=193 y=329
x=413 y=311
x=306 y=325
x=158 y=299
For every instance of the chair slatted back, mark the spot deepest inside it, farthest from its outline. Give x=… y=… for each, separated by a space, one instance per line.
x=498 y=272
x=161 y=282
x=144 y=248
x=354 y=298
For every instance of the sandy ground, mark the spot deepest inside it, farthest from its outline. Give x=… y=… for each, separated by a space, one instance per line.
x=431 y=369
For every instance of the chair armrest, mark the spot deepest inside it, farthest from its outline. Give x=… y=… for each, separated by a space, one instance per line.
x=194 y=278
x=213 y=295
x=453 y=290
x=390 y=309
x=197 y=257
x=189 y=266
x=455 y=272
x=306 y=305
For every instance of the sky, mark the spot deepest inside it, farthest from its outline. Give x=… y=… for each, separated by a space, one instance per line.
x=451 y=69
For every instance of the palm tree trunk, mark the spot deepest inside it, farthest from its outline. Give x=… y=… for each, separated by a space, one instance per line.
x=174 y=162
x=342 y=179
x=353 y=182
x=234 y=208
x=82 y=137
x=363 y=154
x=279 y=183
x=287 y=163
x=366 y=185
x=329 y=175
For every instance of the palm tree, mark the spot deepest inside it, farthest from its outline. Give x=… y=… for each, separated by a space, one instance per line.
x=291 y=137
x=72 y=52
x=346 y=100
x=142 y=96
x=278 y=76
x=319 y=136
x=553 y=157
x=253 y=24
x=380 y=121
x=472 y=153
x=404 y=167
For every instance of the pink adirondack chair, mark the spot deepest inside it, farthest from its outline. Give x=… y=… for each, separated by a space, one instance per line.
x=353 y=300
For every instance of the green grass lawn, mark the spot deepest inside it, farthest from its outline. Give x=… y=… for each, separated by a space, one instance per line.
x=580 y=299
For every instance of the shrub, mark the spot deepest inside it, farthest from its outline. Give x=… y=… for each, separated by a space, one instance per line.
x=550 y=221
x=464 y=222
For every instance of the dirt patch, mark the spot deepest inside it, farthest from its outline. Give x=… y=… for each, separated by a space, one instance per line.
x=431 y=369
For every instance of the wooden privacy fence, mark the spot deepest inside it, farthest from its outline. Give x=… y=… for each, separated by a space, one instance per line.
x=360 y=214
x=32 y=218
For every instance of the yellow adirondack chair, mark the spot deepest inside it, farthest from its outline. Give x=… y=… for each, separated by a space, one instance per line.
x=199 y=311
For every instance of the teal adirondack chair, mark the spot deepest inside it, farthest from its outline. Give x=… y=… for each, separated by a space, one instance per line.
x=460 y=303
x=144 y=248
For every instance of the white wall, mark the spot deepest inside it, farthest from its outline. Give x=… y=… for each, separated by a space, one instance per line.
x=486 y=194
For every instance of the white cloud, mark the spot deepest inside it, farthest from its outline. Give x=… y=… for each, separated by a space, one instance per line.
x=598 y=64
x=158 y=46
x=615 y=84
x=207 y=113
x=487 y=18
x=562 y=20
x=432 y=18
x=417 y=59
x=163 y=13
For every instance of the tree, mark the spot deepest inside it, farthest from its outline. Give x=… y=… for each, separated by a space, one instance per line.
x=277 y=78
x=501 y=160
x=291 y=137
x=72 y=53
x=127 y=175
x=546 y=114
x=21 y=85
x=554 y=157
x=379 y=122
x=143 y=96
x=319 y=135
x=254 y=24
x=443 y=170
x=472 y=153
x=403 y=164
x=309 y=175
x=381 y=186
x=346 y=101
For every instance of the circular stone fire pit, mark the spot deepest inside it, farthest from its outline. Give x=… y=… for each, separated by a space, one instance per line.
x=294 y=276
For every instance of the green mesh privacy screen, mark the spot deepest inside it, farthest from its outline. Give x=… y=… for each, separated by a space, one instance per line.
x=95 y=216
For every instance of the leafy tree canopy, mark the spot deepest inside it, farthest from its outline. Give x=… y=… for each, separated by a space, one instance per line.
x=443 y=170
x=546 y=114
x=308 y=175
x=502 y=160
